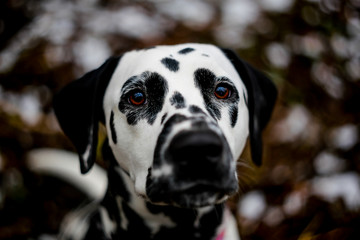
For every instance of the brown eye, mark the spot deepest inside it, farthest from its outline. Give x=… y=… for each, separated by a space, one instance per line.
x=222 y=91
x=137 y=98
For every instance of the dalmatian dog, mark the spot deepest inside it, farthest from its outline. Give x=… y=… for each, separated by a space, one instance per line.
x=177 y=119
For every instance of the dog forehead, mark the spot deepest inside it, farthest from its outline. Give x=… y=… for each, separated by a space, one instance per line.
x=176 y=64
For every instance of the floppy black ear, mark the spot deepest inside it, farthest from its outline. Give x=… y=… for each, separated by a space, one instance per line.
x=262 y=95
x=79 y=108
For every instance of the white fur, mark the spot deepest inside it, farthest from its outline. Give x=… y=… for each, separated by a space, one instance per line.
x=76 y=224
x=109 y=225
x=229 y=226
x=163 y=171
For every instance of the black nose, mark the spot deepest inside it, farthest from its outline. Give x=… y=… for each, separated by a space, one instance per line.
x=196 y=151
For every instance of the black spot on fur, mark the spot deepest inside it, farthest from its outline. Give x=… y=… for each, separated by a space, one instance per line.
x=95 y=230
x=132 y=83
x=163 y=118
x=154 y=86
x=117 y=185
x=233 y=111
x=186 y=50
x=112 y=128
x=206 y=81
x=170 y=64
x=195 y=109
x=205 y=55
x=177 y=100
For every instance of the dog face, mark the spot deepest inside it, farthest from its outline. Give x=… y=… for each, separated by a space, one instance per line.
x=178 y=121
x=177 y=118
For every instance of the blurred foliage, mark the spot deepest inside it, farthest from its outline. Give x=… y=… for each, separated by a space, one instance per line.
x=308 y=186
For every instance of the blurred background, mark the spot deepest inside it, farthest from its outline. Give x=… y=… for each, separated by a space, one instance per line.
x=309 y=184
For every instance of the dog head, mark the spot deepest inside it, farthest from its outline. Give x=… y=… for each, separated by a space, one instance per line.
x=177 y=118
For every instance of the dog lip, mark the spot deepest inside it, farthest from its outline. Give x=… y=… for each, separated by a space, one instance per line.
x=190 y=193
x=200 y=188
x=199 y=195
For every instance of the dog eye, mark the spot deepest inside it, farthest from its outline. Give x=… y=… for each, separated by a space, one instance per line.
x=222 y=91
x=137 y=98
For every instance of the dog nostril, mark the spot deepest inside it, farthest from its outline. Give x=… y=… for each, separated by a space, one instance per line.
x=192 y=148
x=214 y=150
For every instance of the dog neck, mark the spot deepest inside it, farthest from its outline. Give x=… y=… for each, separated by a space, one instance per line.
x=129 y=214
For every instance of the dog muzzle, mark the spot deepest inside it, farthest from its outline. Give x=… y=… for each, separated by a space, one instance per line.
x=193 y=165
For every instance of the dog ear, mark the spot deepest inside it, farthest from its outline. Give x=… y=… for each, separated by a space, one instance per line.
x=79 y=108
x=262 y=95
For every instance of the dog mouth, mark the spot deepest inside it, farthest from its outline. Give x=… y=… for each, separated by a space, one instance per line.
x=193 y=195
x=199 y=196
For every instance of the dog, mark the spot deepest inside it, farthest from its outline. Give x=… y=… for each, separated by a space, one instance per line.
x=177 y=119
